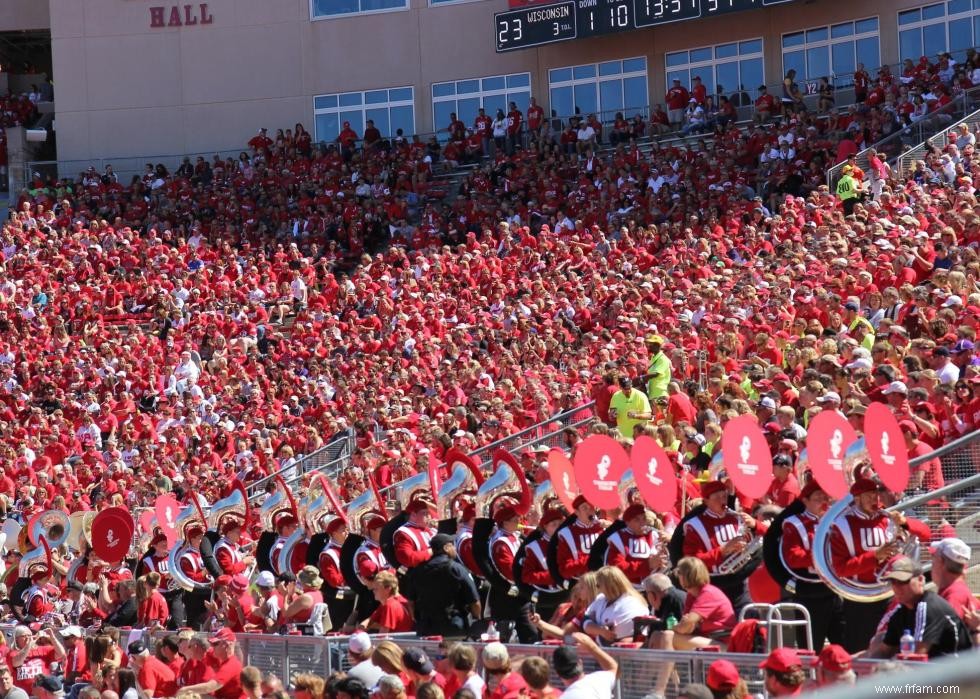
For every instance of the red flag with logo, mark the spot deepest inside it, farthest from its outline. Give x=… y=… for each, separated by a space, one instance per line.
x=600 y=463
x=562 y=476
x=827 y=439
x=886 y=447
x=746 y=456
x=654 y=474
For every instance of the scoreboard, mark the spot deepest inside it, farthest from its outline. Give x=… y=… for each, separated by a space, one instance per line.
x=578 y=19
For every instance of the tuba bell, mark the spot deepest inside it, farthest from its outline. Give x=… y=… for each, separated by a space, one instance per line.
x=234 y=507
x=408 y=490
x=190 y=517
x=507 y=485
x=51 y=525
x=458 y=490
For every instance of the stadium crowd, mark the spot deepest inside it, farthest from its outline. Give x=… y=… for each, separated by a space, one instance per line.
x=187 y=328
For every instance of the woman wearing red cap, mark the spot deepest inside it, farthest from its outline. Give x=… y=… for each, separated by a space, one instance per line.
x=724 y=681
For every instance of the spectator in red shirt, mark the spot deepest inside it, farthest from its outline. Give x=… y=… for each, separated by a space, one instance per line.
x=764 y=106
x=679 y=406
x=393 y=615
x=226 y=682
x=196 y=668
x=677 y=99
x=155 y=677
x=785 y=487
x=152 y=609
x=419 y=670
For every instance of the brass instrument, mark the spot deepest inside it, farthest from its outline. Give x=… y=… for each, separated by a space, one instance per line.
x=51 y=525
x=507 y=485
x=188 y=518
x=461 y=486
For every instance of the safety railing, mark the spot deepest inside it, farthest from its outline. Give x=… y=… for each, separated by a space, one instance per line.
x=895 y=144
x=954 y=676
x=328 y=459
x=906 y=161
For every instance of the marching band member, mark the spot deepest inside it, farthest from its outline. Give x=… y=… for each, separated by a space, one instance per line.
x=369 y=560
x=535 y=571
x=37 y=601
x=635 y=549
x=156 y=560
x=717 y=533
x=796 y=542
x=191 y=564
x=861 y=543
x=575 y=541
x=505 y=602
x=411 y=540
x=335 y=591
x=286 y=523
x=228 y=550
x=464 y=540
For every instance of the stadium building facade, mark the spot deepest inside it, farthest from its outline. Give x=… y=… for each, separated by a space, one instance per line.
x=167 y=77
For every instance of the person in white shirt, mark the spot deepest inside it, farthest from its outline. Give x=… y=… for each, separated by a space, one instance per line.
x=359 y=649
x=568 y=667
x=610 y=616
x=462 y=663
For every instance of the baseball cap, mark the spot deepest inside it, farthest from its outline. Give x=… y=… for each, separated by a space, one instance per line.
x=49 y=683
x=137 y=648
x=781 y=660
x=952 y=549
x=265 y=579
x=895 y=387
x=767 y=402
x=901 y=569
x=829 y=397
x=722 y=676
x=416 y=660
x=222 y=635
x=565 y=661
x=439 y=541
x=72 y=632
x=495 y=655
x=359 y=643
x=834 y=658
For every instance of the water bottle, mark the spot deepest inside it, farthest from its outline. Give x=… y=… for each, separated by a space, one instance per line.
x=492 y=633
x=907 y=643
x=671 y=622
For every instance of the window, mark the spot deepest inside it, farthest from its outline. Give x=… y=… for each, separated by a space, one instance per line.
x=389 y=109
x=724 y=69
x=833 y=52
x=465 y=97
x=600 y=88
x=322 y=9
x=952 y=26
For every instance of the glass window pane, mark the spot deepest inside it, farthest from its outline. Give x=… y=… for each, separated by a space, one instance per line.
x=726 y=77
x=676 y=59
x=635 y=97
x=581 y=72
x=492 y=103
x=610 y=98
x=794 y=39
x=701 y=55
x=522 y=98
x=751 y=75
x=933 y=39
x=976 y=25
x=817 y=62
x=842 y=58
x=370 y=5
x=380 y=118
x=682 y=75
x=350 y=99
x=464 y=87
x=867 y=52
x=440 y=114
x=467 y=109
x=496 y=83
x=910 y=44
x=561 y=101
x=866 y=25
x=585 y=99
x=356 y=120
x=751 y=46
x=707 y=78
x=327 y=127
x=818 y=34
x=960 y=34
x=956 y=6
x=324 y=8
x=443 y=89
x=559 y=75
x=611 y=68
x=841 y=30
x=976 y=4
x=325 y=102
x=519 y=80
x=635 y=65
x=401 y=94
x=375 y=97
x=726 y=51
x=933 y=12
x=403 y=118
x=909 y=17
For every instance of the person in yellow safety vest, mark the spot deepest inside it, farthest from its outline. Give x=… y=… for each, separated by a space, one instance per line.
x=658 y=372
x=858 y=326
x=848 y=190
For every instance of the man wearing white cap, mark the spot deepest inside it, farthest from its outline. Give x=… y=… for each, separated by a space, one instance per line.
x=950 y=557
x=359 y=649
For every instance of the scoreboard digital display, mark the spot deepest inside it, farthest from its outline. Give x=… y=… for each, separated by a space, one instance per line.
x=578 y=19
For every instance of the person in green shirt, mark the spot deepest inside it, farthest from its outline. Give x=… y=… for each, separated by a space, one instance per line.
x=629 y=407
x=848 y=190
x=658 y=373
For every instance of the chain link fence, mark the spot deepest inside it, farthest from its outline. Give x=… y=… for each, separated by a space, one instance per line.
x=328 y=460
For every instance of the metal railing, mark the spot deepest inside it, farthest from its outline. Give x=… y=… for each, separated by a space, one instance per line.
x=956 y=676
x=906 y=161
x=895 y=144
x=328 y=459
